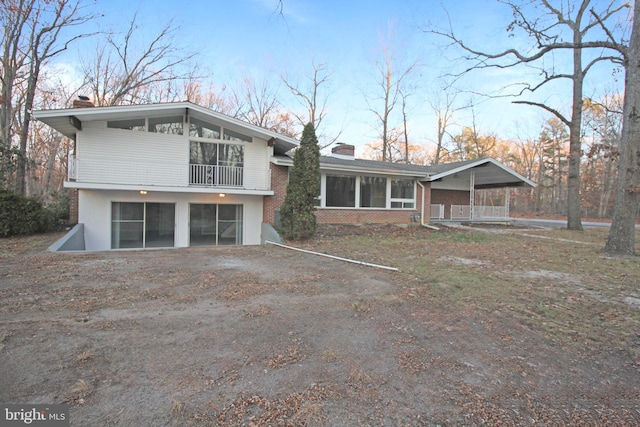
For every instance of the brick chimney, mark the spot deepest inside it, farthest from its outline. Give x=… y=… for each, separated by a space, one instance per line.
x=343 y=151
x=82 y=102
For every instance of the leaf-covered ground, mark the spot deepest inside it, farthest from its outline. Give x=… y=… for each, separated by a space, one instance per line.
x=496 y=326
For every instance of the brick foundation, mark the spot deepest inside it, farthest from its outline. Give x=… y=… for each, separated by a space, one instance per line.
x=73 y=206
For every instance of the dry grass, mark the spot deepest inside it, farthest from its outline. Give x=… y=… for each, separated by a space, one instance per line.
x=80 y=392
x=83 y=357
x=357 y=375
x=329 y=355
x=178 y=408
x=310 y=414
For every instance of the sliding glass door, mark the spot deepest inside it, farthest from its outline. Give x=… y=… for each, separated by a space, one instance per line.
x=142 y=225
x=211 y=224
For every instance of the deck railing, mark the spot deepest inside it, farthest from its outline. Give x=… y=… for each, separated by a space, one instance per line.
x=216 y=176
x=463 y=212
x=437 y=212
x=490 y=212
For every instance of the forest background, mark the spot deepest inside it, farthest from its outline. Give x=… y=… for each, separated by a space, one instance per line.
x=393 y=82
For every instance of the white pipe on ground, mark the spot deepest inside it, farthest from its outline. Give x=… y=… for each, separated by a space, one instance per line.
x=332 y=256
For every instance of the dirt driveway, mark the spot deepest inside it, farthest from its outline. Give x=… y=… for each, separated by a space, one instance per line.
x=267 y=336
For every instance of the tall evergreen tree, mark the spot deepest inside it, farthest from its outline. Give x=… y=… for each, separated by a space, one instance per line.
x=297 y=211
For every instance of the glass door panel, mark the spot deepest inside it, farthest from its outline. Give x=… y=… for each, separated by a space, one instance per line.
x=160 y=225
x=202 y=220
x=127 y=225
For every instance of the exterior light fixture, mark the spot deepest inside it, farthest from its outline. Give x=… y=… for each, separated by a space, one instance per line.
x=143 y=192
x=222 y=195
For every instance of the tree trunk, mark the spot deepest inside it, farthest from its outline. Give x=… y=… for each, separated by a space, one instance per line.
x=574 y=214
x=621 y=239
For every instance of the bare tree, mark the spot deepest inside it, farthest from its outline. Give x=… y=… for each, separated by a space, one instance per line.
x=314 y=99
x=390 y=77
x=621 y=240
x=33 y=34
x=257 y=102
x=442 y=104
x=124 y=72
x=547 y=25
x=310 y=97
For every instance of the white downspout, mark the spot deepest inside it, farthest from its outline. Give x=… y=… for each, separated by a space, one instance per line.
x=422 y=214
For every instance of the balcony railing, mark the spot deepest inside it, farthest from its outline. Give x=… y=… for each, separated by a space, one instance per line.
x=216 y=176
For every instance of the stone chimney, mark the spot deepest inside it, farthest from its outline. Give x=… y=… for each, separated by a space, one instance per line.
x=82 y=102
x=343 y=151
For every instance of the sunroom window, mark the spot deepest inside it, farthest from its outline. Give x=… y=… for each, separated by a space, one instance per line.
x=402 y=194
x=201 y=129
x=171 y=125
x=373 y=192
x=341 y=191
x=129 y=124
x=236 y=136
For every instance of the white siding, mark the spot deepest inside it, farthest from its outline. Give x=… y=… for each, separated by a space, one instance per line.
x=256 y=165
x=116 y=156
x=95 y=214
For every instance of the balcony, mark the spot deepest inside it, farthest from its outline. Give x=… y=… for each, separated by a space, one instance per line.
x=215 y=176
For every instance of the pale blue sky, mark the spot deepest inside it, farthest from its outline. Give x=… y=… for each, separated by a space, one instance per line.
x=248 y=37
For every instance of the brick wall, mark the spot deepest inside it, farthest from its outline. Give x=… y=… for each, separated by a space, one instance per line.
x=448 y=198
x=279 y=181
x=364 y=216
x=73 y=206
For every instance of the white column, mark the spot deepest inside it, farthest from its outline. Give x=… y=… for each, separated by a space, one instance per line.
x=472 y=179
x=507 y=198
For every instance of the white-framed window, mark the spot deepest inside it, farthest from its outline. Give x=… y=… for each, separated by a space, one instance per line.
x=168 y=124
x=367 y=192
x=403 y=194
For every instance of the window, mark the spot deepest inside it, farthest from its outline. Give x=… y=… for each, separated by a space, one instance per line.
x=373 y=192
x=216 y=164
x=341 y=191
x=402 y=194
x=130 y=124
x=236 y=136
x=171 y=125
x=211 y=224
x=202 y=129
x=142 y=225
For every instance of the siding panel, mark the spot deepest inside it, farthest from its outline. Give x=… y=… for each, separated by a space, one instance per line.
x=116 y=156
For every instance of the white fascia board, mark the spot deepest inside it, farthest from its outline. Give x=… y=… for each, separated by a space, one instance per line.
x=162 y=189
x=141 y=110
x=480 y=162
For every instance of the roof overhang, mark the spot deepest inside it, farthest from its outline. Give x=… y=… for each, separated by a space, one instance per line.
x=354 y=167
x=488 y=173
x=69 y=121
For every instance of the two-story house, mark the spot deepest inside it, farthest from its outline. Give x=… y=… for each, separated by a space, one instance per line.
x=178 y=174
